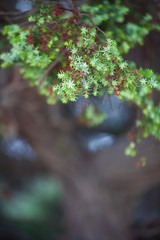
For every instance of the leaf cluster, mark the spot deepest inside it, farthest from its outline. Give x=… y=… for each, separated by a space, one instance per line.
x=66 y=56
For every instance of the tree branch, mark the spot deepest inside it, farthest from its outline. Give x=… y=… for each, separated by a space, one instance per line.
x=86 y=15
x=71 y=4
x=52 y=65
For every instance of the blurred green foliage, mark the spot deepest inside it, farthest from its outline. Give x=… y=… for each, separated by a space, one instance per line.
x=35 y=208
x=92 y=116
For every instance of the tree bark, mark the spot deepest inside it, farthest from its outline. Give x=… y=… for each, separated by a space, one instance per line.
x=100 y=190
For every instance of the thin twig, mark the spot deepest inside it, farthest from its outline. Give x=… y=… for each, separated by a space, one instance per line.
x=85 y=14
x=44 y=75
x=71 y=4
x=139 y=78
x=8 y=20
x=101 y=31
x=16 y=13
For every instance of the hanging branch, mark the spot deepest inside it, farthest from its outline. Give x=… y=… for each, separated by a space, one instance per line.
x=51 y=66
x=86 y=15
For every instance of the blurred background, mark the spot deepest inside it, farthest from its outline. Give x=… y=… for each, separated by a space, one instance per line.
x=63 y=171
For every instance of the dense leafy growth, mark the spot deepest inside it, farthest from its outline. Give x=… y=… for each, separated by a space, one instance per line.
x=111 y=17
x=66 y=55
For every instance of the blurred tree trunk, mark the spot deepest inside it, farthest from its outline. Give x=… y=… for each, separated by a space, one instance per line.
x=99 y=190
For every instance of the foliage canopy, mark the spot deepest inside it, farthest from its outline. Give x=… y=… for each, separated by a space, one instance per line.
x=66 y=54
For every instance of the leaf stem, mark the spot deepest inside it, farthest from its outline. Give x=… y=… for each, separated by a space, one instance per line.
x=46 y=72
